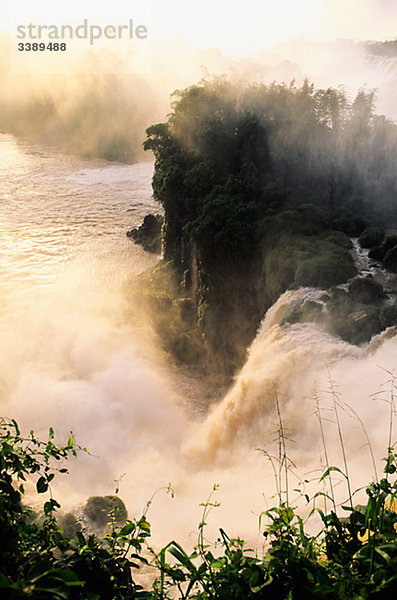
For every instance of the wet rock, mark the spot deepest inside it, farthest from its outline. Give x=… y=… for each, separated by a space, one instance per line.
x=148 y=235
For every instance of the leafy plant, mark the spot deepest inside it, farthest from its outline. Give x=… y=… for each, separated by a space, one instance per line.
x=37 y=561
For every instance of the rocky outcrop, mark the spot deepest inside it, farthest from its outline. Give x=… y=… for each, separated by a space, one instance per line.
x=148 y=234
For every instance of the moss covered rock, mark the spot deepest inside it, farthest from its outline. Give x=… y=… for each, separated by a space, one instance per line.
x=390 y=242
x=310 y=311
x=339 y=238
x=353 y=322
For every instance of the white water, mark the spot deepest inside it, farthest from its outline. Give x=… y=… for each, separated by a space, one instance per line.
x=70 y=358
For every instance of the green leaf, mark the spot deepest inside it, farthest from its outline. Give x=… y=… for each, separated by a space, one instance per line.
x=144 y=525
x=17 y=432
x=41 y=485
x=287 y=515
x=178 y=553
x=128 y=528
x=80 y=538
x=328 y=471
x=256 y=589
x=50 y=505
x=69 y=577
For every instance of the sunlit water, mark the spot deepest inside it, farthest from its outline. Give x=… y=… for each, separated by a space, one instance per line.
x=73 y=357
x=54 y=207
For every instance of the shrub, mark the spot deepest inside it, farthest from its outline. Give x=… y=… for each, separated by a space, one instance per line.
x=377 y=252
x=37 y=560
x=103 y=511
x=372 y=236
x=390 y=242
x=388 y=316
x=339 y=238
x=390 y=259
x=352 y=556
x=344 y=220
x=366 y=290
x=325 y=270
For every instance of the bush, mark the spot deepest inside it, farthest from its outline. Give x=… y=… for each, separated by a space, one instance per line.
x=325 y=270
x=390 y=242
x=390 y=259
x=351 y=557
x=105 y=511
x=372 y=236
x=388 y=316
x=377 y=252
x=340 y=239
x=366 y=290
x=344 y=220
x=37 y=560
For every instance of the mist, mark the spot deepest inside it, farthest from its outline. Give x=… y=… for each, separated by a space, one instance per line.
x=106 y=380
x=78 y=355
x=100 y=102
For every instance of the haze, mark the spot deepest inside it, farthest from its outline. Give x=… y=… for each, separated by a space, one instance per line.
x=231 y=26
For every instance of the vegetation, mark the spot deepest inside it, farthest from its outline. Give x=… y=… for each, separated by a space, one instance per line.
x=149 y=233
x=390 y=259
x=386 y=253
x=372 y=236
x=353 y=557
x=101 y=510
x=259 y=187
x=388 y=316
x=38 y=560
x=366 y=290
x=353 y=321
x=387 y=49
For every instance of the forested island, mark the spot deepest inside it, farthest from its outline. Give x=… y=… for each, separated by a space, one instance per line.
x=263 y=188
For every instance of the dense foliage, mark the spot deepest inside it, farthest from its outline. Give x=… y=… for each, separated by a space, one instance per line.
x=38 y=560
x=260 y=186
x=351 y=558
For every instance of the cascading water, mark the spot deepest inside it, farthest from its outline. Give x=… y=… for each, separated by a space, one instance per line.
x=69 y=359
x=368 y=266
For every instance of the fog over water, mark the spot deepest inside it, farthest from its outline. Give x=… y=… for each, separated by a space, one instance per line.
x=72 y=359
x=76 y=355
